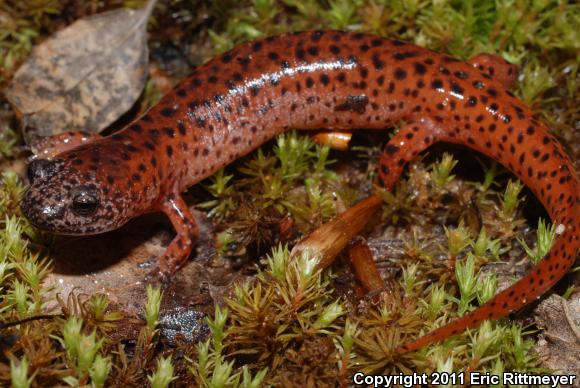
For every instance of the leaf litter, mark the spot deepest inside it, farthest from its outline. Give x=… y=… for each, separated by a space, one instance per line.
x=85 y=76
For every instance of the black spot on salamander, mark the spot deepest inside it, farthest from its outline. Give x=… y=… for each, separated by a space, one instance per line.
x=169 y=131
x=456 y=89
x=376 y=42
x=377 y=62
x=181 y=128
x=244 y=62
x=167 y=112
x=400 y=74
x=364 y=47
x=196 y=82
x=226 y=58
x=131 y=148
x=300 y=54
x=316 y=35
x=437 y=84
x=420 y=68
x=356 y=104
x=530 y=130
x=313 y=51
x=391 y=149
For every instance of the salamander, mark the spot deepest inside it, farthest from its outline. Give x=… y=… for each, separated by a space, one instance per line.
x=311 y=80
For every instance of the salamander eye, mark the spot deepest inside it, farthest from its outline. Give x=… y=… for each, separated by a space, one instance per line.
x=85 y=201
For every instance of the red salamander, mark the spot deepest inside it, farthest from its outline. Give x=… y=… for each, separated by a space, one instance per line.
x=310 y=80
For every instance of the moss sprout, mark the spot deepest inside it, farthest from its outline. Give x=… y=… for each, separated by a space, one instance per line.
x=8 y=141
x=163 y=375
x=19 y=373
x=467 y=282
x=81 y=350
x=441 y=171
x=154 y=296
x=544 y=236
x=511 y=200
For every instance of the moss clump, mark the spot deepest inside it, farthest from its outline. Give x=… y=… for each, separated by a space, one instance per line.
x=290 y=182
x=287 y=324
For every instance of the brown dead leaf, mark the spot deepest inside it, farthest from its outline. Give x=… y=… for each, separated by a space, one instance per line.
x=85 y=76
x=559 y=342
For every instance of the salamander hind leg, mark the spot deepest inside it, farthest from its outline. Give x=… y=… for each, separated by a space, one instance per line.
x=496 y=67
x=412 y=139
x=186 y=234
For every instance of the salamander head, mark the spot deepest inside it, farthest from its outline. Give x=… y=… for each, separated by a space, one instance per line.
x=64 y=200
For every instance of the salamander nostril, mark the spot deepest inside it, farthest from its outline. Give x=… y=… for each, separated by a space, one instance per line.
x=39 y=169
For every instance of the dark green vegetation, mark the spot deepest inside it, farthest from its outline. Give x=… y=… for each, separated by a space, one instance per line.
x=292 y=324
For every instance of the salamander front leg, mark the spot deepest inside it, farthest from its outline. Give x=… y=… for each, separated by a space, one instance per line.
x=187 y=232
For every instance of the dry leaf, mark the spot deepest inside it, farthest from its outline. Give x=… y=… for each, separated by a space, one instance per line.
x=559 y=338
x=85 y=76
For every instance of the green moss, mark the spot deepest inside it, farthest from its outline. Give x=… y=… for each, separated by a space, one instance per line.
x=293 y=178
